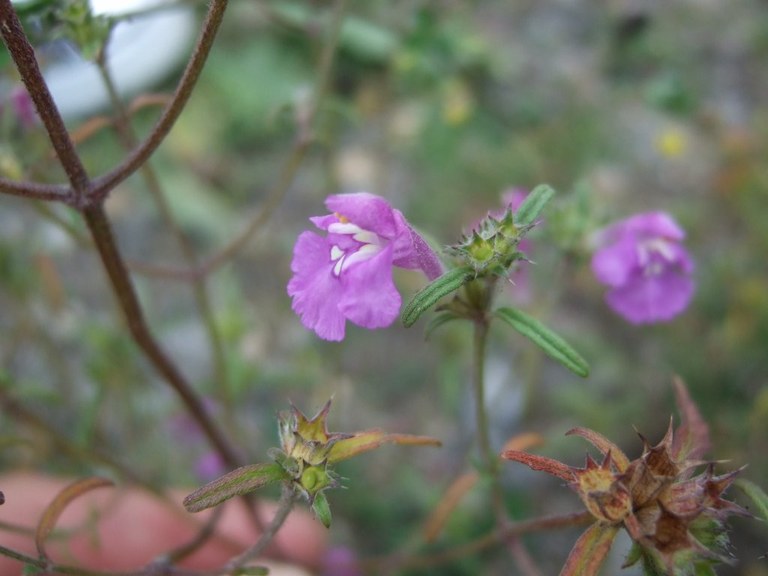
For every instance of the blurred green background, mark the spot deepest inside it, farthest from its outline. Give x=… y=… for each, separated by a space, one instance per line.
x=622 y=106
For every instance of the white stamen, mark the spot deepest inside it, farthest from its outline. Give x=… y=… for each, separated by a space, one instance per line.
x=372 y=244
x=344 y=228
x=651 y=247
x=367 y=237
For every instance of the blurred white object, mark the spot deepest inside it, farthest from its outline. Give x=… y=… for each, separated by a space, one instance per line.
x=141 y=52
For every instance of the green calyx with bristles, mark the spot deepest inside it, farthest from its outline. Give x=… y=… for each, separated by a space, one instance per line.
x=491 y=249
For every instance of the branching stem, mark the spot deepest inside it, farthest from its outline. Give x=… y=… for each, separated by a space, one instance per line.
x=104 y=184
x=23 y=55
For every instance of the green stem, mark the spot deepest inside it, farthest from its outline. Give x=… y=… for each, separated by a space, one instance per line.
x=480 y=337
x=489 y=459
x=106 y=183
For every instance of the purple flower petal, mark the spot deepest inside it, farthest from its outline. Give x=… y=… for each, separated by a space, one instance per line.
x=647 y=268
x=613 y=264
x=315 y=290
x=412 y=252
x=347 y=275
x=652 y=224
x=370 y=298
x=654 y=299
x=368 y=211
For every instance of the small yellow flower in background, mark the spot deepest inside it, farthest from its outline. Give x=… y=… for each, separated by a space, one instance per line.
x=457 y=102
x=672 y=143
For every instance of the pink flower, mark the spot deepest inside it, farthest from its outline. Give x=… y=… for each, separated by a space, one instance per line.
x=347 y=274
x=649 y=273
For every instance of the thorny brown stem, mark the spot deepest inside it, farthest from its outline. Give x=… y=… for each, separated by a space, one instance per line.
x=88 y=197
x=35 y=191
x=82 y=190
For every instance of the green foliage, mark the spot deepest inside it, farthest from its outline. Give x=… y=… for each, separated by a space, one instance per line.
x=322 y=509
x=546 y=339
x=533 y=204
x=757 y=496
x=434 y=291
x=238 y=482
x=75 y=21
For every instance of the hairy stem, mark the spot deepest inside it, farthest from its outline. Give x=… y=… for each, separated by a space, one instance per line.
x=490 y=460
x=35 y=191
x=23 y=55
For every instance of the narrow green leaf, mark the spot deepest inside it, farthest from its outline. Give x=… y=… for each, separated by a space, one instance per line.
x=321 y=509
x=235 y=483
x=432 y=292
x=588 y=554
x=550 y=342
x=756 y=494
x=533 y=204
